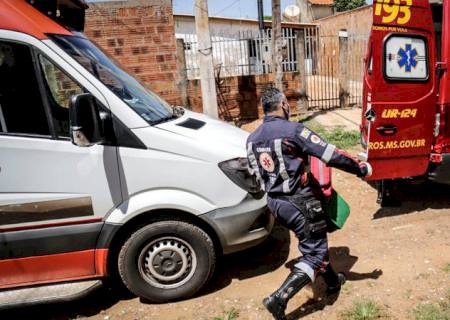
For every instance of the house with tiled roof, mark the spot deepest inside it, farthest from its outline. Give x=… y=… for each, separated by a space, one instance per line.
x=315 y=9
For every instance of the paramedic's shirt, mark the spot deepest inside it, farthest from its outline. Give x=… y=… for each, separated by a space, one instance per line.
x=278 y=154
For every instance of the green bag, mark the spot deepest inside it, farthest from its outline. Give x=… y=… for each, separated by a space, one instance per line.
x=337 y=210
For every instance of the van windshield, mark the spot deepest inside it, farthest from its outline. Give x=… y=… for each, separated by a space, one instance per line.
x=146 y=103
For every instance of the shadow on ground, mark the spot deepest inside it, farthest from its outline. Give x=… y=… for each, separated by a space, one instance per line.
x=264 y=258
x=416 y=197
x=342 y=261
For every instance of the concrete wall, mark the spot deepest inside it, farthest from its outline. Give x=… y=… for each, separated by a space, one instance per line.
x=227 y=28
x=320 y=12
x=356 y=22
x=140 y=35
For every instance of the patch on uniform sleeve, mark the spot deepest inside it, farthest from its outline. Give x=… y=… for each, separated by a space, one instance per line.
x=305 y=133
x=266 y=162
x=315 y=139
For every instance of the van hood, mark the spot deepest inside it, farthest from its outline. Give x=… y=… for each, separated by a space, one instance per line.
x=208 y=131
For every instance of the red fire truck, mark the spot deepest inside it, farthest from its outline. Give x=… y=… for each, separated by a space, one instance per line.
x=405 y=121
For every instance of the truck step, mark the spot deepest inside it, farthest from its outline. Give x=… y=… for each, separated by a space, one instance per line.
x=61 y=292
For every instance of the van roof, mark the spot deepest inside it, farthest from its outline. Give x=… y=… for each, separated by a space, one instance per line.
x=18 y=15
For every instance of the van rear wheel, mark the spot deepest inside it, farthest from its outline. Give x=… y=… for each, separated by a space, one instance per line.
x=166 y=260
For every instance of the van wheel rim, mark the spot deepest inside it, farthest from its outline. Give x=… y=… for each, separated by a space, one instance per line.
x=167 y=262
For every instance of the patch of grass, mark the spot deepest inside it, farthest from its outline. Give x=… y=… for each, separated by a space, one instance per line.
x=363 y=309
x=435 y=311
x=231 y=314
x=446 y=268
x=338 y=136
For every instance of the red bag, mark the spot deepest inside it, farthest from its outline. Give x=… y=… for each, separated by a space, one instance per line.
x=322 y=173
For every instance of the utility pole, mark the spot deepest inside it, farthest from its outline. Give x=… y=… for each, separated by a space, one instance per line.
x=305 y=11
x=277 y=54
x=205 y=59
x=261 y=14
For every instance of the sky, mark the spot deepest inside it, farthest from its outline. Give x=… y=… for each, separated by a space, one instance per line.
x=228 y=8
x=231 y=8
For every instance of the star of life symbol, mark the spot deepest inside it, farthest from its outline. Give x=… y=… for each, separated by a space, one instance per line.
x=407 y=57
x=267 y=162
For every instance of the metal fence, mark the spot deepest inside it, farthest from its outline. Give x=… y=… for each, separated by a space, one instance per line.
x=249 y=53
x=324 y=77
x=246 y=53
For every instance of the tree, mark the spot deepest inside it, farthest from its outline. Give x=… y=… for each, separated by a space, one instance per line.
x=345 y=5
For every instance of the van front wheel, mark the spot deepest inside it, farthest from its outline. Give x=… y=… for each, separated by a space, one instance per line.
x=166 y=260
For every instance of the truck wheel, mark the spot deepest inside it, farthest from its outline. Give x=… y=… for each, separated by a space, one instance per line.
x=166 y=260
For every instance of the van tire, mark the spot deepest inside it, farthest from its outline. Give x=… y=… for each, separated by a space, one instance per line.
x=161 y=246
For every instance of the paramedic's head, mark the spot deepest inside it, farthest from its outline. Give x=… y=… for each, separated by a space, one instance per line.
x=274 y=102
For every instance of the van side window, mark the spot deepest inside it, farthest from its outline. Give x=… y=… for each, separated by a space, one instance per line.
x=61 y=89
x=21 y=108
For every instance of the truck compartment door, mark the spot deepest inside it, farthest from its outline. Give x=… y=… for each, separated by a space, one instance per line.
x=399 y=89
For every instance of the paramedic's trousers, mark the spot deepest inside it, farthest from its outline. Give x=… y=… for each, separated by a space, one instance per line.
x=315 y=251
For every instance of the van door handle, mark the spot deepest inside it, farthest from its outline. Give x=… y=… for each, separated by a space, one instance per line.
x=388 y=130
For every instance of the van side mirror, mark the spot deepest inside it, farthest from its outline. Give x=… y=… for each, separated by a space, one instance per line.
x=86 y=127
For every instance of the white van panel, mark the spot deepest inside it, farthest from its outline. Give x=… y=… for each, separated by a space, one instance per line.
x=58 y=171
x=159 y=199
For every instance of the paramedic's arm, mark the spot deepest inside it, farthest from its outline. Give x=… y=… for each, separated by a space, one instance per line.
x=312 y=144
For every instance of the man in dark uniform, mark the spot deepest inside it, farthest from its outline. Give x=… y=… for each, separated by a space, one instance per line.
x=278 y=154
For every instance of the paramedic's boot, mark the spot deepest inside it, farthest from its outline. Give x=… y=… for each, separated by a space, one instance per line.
x=276 y=303
x=333 y=280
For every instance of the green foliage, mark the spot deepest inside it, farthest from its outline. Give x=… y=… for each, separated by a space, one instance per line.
x=363 y=309
x=231 y=314
x=345 y=5
x=436 y=311
x=446 y=268
x=338 y=136
x=267 y=18
x=432 y=312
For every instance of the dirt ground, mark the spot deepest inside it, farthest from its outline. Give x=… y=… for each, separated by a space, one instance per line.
x=395 y=256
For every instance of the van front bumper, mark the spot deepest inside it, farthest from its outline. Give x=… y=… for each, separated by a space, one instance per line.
x=242 y=226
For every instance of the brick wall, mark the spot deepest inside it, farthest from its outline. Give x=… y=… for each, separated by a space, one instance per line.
x=242 y=93
x=140 y=35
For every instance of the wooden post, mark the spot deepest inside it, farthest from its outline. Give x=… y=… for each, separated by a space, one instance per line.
x=182 y=73
x=277 y=54
x=302 y=104
x=344 y=93
x=205 y=59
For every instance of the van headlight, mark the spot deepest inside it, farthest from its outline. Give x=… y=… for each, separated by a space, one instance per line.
x=237 y=171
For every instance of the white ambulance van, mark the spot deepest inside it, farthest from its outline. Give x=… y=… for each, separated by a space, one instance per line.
x=99 y=176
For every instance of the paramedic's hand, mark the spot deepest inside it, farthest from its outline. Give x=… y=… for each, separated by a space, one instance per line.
x=365 y=170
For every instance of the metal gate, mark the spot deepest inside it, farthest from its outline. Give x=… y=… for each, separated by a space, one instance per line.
x=324 y=76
